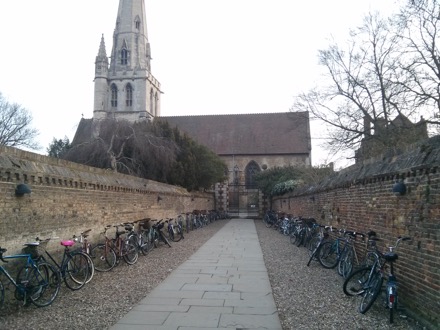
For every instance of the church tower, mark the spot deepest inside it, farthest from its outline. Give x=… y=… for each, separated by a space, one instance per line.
x=125 y=88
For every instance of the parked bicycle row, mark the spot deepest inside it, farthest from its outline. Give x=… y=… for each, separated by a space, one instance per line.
x=354 y=254
x=36 y=274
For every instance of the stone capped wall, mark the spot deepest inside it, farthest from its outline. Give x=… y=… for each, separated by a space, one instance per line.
x=67 y=198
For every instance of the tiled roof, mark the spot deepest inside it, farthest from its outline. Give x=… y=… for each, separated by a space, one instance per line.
x=83 y=132
x=249 y=134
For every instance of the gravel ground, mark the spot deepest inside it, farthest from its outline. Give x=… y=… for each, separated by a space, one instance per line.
x=306 y=297
x=312 y=297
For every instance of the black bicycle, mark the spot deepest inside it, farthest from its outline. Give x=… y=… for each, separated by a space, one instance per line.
x=270 y=218
x=158 y=235
x=367 y=282
x=317 y=242
x=74 y=267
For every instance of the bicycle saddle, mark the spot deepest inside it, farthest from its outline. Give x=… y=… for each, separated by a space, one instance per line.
x=67 y=243
x=390 y=256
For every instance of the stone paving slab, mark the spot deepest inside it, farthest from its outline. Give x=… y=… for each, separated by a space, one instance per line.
x=223 y=285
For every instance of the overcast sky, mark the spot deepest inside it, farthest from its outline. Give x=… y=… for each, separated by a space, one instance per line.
x=210 y=56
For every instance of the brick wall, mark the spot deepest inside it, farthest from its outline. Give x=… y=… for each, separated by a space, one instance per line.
x=68 y=198
x=360 y=198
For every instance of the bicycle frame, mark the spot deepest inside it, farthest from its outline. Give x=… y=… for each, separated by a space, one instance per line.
x=33 y=285
x=117 y=242
x=323 y=235
x=29 y=263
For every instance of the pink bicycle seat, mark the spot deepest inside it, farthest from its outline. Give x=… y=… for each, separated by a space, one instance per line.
x=67 y=243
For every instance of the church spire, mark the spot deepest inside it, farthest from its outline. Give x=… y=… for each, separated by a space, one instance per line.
x=101 y=87
x=126 y=89
x=130 y=39
x=101 y=62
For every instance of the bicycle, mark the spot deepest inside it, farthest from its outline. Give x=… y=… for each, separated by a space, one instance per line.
x=307 y=232
x=270 y=218
x=367 y=282
x=86 y=247
x=317 y=242
x=106 y=255
x=188 y=221
x=174 y=230
x=158 y=235
x=348 y=254
x=74 y=265
x=141 y=238
x=330 y=252
x=125 y=248
x=297 y=226
x=38 y=284
x=196 y=220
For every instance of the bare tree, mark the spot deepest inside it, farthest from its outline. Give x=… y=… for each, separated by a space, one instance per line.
x=15 y=126
x=127 y=148
x=365 y=99
x=153 y=151
x=418 y=24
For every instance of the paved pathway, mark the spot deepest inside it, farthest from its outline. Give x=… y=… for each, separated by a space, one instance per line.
x=224 y=285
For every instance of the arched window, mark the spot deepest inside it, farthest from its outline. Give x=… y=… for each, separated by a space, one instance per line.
x=156 y=102
x=128 y=95
x=114 y=97
x=251 y=169
x=124 y=56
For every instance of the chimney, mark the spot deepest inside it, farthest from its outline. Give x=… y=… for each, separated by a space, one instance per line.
x=367 y=126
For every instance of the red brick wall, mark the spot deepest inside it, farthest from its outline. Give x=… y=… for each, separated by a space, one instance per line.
x=360 y=198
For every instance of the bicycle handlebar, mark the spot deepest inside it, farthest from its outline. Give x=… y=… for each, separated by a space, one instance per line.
x=399 y=239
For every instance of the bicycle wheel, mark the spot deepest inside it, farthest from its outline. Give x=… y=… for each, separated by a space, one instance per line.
x=315 y=252
x=91 y=267
x=294 y=236
x=75 y=270
x=170 y=234
x=134 y=240
x=300 y=239
x=354 y=284
x=391 y=297
x=313 y=244
x=267 y=221
x=341 y=261
x=328 y=256
x=103 y=257
x=347 y=263
x=146 y=243
x=43 y=284
x=130 y=252
x=177 y=234
x=372 y=290
x=155 y=239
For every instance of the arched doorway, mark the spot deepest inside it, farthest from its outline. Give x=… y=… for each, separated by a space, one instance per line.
x=243 y=193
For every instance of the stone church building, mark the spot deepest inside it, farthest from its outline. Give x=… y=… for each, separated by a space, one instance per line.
x=125 y=89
